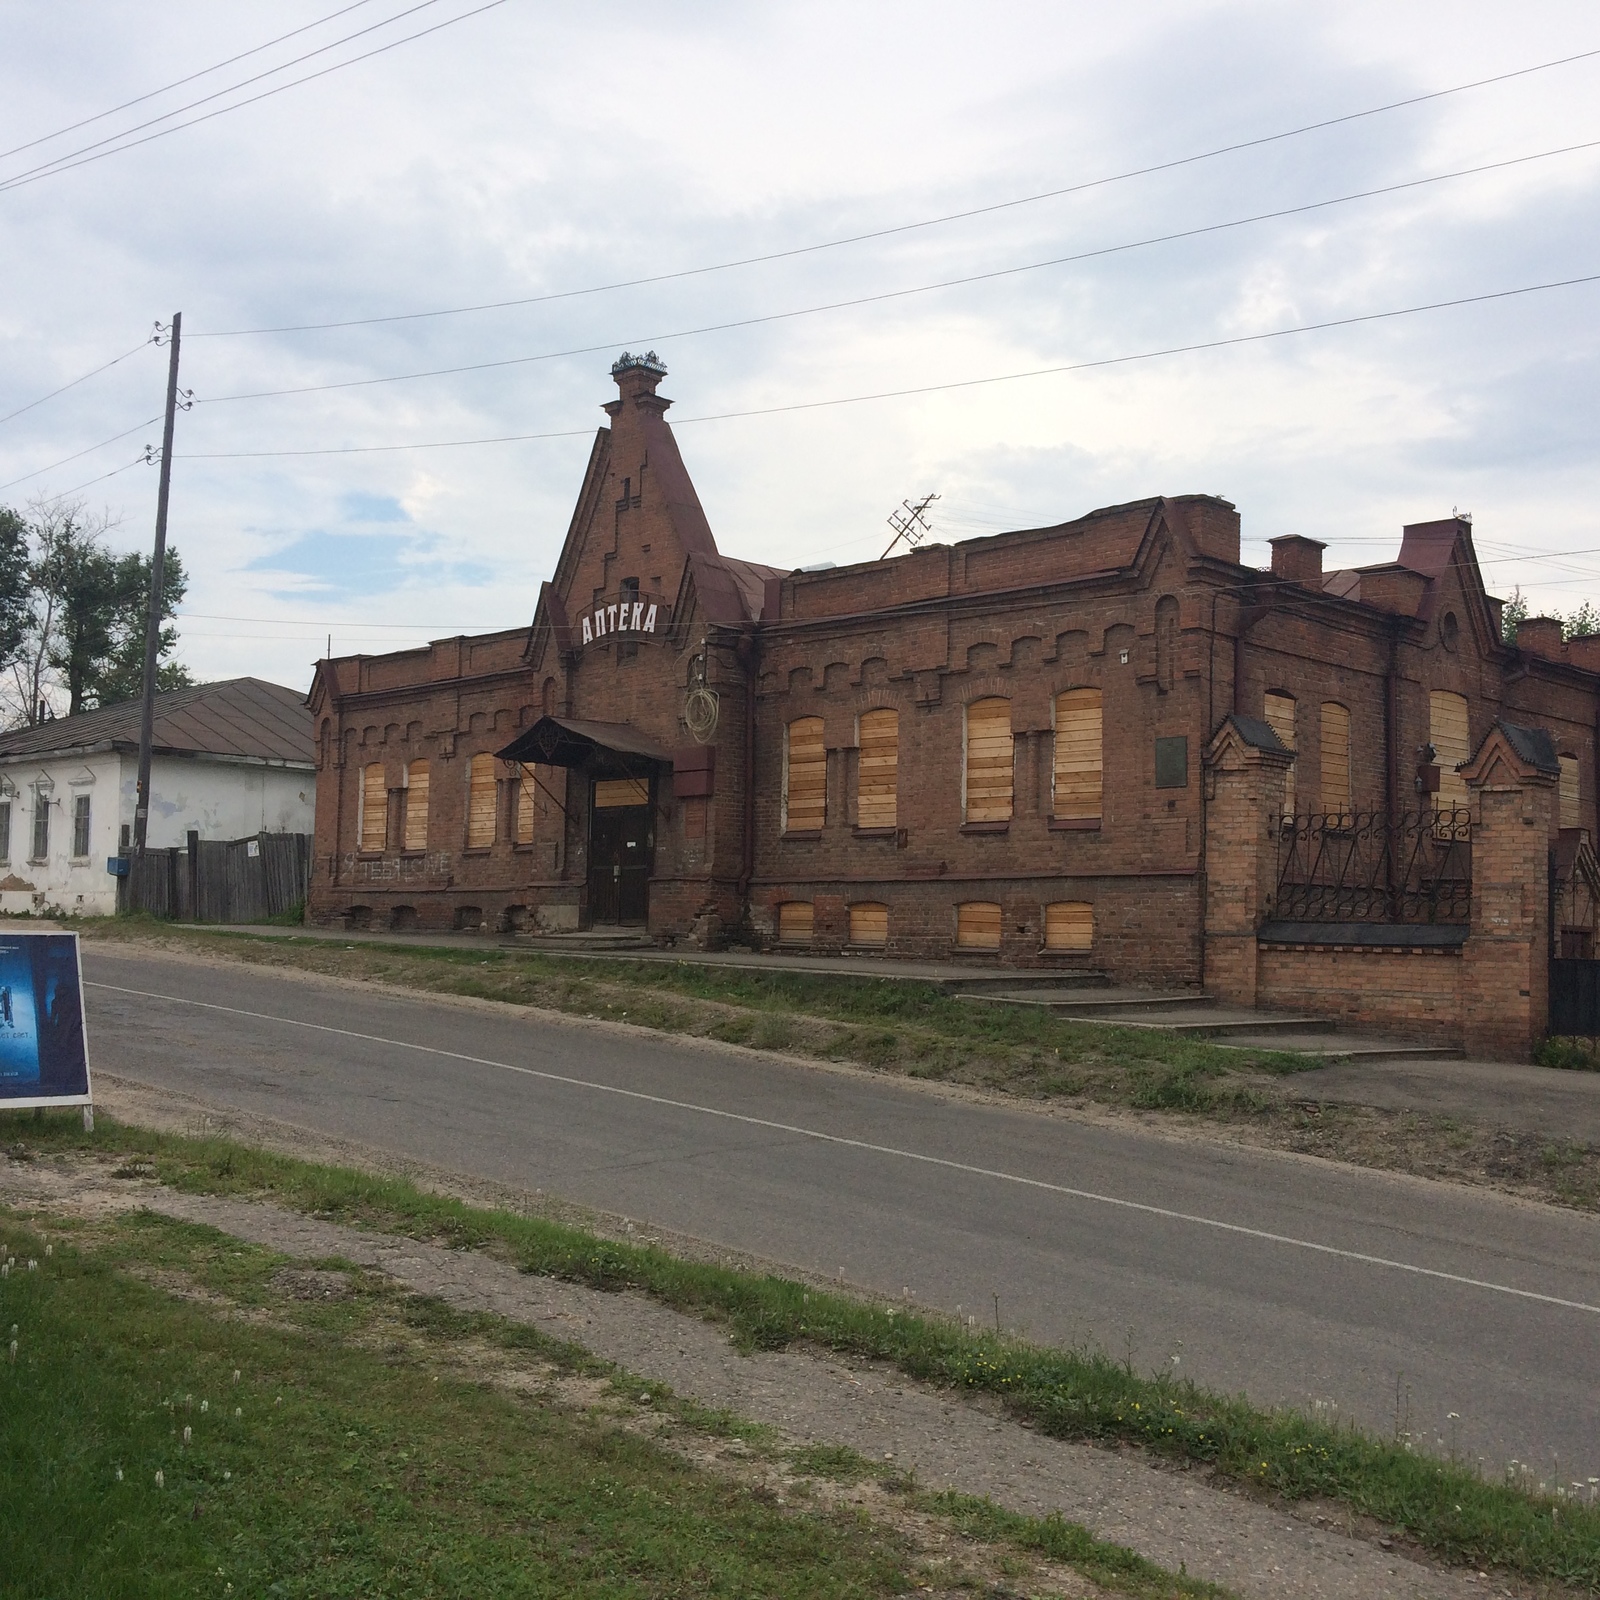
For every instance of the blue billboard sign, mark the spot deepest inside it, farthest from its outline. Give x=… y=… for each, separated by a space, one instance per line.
x=44 y=1056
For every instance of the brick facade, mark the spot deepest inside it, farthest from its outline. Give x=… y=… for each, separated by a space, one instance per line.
x=1146 y=603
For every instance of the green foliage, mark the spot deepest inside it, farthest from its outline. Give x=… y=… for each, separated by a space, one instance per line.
x=1514 y=610
x=1579 y=624
x=14 y=609
x=1575 y=1055
x=1081 y=1394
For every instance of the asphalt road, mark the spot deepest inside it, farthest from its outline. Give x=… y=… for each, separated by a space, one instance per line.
x=1292 y=1280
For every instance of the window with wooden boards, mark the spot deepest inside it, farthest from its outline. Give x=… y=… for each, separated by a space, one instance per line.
x=805 y=777
x=480 y=801
x=978 y=925
x=1452 y=744
x=1079 y=777
x=796 y=919
x=869 y=923
x=374 y=808
x=877 y=776
x=527 y=802
x=416 y=833
x=1280 y=718
x=1335 y=757
x=1069 y=925
x=1571 y=809
x=989 y=761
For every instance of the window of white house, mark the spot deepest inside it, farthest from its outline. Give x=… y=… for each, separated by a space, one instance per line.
x=80 y=825
x=5 y=831
x=41 y=826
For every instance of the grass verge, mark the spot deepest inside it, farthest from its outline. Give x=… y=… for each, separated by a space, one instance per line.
x=1446 y=1507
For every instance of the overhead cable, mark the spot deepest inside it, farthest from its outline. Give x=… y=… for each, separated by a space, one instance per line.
x=178 y=83
x=938 y=388
x=76 y=381
x=896 y=294
x=65 y=164
x=910 y=227
x=78 y=453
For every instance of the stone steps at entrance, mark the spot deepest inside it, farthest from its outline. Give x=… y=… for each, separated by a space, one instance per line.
x=590 y=939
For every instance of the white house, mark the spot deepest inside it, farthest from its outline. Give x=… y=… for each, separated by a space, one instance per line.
x=229 y=760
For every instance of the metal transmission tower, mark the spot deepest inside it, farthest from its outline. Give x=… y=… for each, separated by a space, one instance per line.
x=909 y=523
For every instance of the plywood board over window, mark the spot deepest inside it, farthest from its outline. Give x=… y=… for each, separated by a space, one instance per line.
x=480 y=801
x=795 y=922
x=879 y=771
x=417 y=806
x=1280 y=718
x=978 y=925
x=869 y=923
x=1452 y=745
x=1069 y=925
x=1335 y=757
x=1571 y=808
x=527 y=802
x=989 y=761
x=805 y=777
x=613 y=792
x=1079 y=775
x=374 y=808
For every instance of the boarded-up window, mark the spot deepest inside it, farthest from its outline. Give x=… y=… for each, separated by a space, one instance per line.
x=1448 y=734
x=869 y=923
x=374 y=808
x=978 y=925
x=1571 y=815
x=480 y=801
x=1335 y=757
x=1080 y=762
x=805 y=777
x=417 y=806
x=879 y=770
x=1280 y=718
x=527 y=802
x=611 y=792
x=989 y=761
x=795 y=922
x=1069 y=925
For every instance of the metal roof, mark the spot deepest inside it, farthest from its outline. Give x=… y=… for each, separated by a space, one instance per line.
x=240 y=717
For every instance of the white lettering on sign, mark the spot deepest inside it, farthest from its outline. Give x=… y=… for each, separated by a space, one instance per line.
x=621 y=616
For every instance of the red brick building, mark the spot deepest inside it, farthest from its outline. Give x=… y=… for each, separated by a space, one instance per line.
x=998 y=746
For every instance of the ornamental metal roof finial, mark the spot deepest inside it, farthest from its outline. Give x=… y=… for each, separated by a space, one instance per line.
x=649 y=361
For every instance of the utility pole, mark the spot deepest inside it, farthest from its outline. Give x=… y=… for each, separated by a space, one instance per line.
x=152 y=624
x=909 y=523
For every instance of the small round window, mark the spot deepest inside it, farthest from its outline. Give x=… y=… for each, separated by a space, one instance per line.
x=1449 y=630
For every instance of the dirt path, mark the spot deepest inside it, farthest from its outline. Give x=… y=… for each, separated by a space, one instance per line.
x=1175 y=1518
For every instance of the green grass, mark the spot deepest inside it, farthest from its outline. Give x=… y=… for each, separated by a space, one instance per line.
x=1072 y=1394
x=328 y=1469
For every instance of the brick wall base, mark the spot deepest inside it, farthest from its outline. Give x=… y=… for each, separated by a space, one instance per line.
x=1412 y=992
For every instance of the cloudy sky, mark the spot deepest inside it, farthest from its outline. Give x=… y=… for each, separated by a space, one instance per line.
x=547 y=153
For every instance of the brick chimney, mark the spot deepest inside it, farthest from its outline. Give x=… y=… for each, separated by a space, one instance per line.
x=1297 y=559
x=638 y=376
x=1541 y=636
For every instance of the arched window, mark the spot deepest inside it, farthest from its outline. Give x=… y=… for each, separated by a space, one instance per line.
x=1450 y=737
x=878 y=774
x=1166 y=642
x=978 y=925
x=795 y=922
x=1280 y=718
x=480 y=801
x=805 y=777
x=1080 y=762
x=989 y=761
x=1335 y=757
x=416 y=834
x=869 y=923
x=374 y=808
x=1069 y=925
x=1571 y=809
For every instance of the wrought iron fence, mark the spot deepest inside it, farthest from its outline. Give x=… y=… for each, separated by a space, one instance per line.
x=1366 y=866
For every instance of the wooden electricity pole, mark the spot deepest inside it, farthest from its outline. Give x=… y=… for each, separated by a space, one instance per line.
x=152 y=624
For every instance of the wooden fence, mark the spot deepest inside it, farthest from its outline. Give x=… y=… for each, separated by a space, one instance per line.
x=221 y=880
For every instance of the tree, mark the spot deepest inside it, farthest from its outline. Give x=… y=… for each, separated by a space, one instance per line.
x=14 y=608
x=1515 y=610
x=1581 y=623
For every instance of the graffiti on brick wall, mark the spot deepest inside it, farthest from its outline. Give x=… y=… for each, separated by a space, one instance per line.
x=398 y=869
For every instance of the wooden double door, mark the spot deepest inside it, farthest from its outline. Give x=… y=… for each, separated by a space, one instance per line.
x=621 y=851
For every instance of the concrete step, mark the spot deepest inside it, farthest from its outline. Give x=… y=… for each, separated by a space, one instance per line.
x=1033 y=985
x=1349 y=1048
x=1092 y=1004
x=1256 y=1028
x=577 y=943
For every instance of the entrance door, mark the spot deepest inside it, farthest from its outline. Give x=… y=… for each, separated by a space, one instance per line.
x=621 y=850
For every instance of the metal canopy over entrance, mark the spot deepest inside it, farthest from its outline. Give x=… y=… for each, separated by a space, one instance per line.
x=621 y=765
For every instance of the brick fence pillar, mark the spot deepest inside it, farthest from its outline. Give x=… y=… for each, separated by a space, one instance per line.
x=1505 y=983
x=1246 y=766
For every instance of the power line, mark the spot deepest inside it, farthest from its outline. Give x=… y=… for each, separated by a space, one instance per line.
x=76 y=454
x=900 y=294
x=65 y=164
x=138 y=461
x=341 y=624
x=178 y=83
x=937 y=388
x=76 y=381
x=910 y=227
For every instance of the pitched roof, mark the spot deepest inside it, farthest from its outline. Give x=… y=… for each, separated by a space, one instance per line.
x=238 y=717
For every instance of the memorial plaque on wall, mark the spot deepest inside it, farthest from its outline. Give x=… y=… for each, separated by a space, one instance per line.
x=44 y=1057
